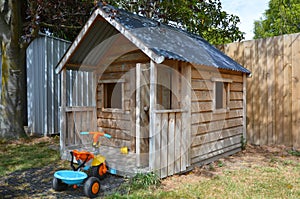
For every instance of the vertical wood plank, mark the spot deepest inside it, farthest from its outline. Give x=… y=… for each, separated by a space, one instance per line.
x=144 y=113
x=264 y=91
x=244 y=106
x=270 y=89
x=63 y=128
x=186 y=116
x=164 y=145
x=70 y=130
x=256 y=94
x=94 y=101
x=295 y=90
x=78 y=125
x=156 y=165
x=286 y=134
x=248 y=45
x=278 y=62
x=152 y=132
x=171 y=144
x=133 y=109
x=175 y=87
x=138 y=112
x=239 y=53
x=84 y=121
x=177 y=143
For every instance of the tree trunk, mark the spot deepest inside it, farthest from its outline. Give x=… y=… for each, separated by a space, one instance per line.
x=13 y=91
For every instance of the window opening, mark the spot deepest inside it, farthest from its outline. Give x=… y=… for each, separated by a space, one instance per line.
x=113 y=95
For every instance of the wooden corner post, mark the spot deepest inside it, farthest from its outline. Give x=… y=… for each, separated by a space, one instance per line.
x=63 y=116
x=153 y=154
x=186 y=90
x=244 y=108
x=137 y=116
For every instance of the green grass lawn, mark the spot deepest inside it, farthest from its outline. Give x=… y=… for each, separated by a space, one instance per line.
x=280 y=181
x=26 y=153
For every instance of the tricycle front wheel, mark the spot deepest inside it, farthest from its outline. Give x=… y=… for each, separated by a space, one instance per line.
x=58 y=185
x=91 y=187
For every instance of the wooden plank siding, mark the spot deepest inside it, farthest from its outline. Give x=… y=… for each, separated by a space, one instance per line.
x=273 y=102
x=119 y=123
x=79 y=109
x=215 y=133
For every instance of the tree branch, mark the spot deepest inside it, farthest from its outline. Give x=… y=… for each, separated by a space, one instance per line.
x=16 y=22
x=62 y=26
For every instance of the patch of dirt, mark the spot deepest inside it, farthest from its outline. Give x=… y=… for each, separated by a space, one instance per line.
x=32 y=141
x=37 y=183
x=253 y=156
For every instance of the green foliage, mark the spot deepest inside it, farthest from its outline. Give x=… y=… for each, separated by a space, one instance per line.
x=294 y=152
x=243 y=143
x=205 y=18
x=63 y=19
x=282 y=17
x=220 y=163
x=25 y=155
x=140 y=182
x=144 y=181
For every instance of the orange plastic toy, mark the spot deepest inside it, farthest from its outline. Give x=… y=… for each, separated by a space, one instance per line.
x=83 y=155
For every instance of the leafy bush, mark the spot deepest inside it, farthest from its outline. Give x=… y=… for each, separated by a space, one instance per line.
x=294 y=152
x=143 y=181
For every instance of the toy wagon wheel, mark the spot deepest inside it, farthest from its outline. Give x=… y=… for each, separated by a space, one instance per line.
x=99 y=171
x=91 y=187
x=58 y=185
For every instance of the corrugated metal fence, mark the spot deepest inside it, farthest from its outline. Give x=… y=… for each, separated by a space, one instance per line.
x=43 y=85
x=273 y=97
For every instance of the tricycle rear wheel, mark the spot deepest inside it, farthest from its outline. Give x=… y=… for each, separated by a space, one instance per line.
x=99 y=171
x=58 y=185
x=91 y=187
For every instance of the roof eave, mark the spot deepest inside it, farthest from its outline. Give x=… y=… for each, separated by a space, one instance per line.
x=63 y=62
x=156 y=58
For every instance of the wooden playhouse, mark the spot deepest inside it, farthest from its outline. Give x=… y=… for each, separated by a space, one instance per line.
x=169 y=96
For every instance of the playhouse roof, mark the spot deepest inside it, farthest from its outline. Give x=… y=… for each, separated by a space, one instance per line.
x=158 y=41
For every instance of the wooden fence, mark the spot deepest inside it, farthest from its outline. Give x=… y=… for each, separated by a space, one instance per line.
x=273 y=91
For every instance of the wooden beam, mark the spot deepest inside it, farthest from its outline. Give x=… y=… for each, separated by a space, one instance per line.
x=138 y=112
x=152 y=108
x=133 y=109
x=244 y=106
x=63 y=129
x=186 y=92
x=79 y=108
x=295 y=91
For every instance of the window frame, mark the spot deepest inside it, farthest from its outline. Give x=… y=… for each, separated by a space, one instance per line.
x=112 y=81
x=226 y=82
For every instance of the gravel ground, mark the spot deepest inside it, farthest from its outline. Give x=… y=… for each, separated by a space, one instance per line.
x=37 y=183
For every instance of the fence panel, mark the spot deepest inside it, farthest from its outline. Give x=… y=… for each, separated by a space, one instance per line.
x=273 y=97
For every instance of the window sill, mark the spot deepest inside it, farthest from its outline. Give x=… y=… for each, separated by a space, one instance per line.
x=220 y=111
x=112 y=110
